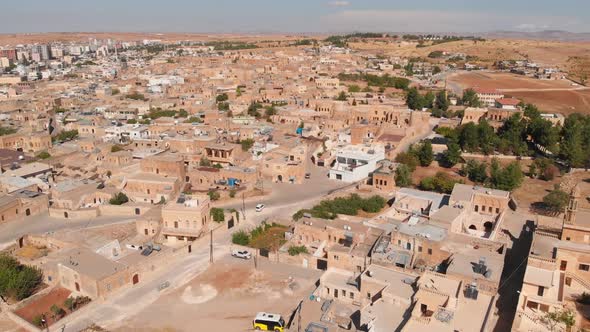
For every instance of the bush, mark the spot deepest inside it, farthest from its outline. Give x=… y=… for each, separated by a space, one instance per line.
x=38 y=321
x=119 y=199
x=232 y=193
x=57 y=312
x=296 y=250
x=204 y=162
x=240 y=238
x=403 y=176
x=44 y=155
x=66 y=136
x=136 y=96
x=441 y=183
x=217 y=214
x=213 y=195
x=116 y=148
x=329 y=209
x=247 y=144
x=70 y=304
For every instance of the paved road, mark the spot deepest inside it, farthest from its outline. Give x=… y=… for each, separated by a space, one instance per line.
x=43 y=223
x=286 y=199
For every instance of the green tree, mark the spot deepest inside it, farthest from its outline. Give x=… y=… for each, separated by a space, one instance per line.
x=469 y=137
x=403 y=176
x=507 y=178
x=213 y=195
x=470 y=98
x=442 y=102
x=452 y=156
x=119 y=199
x=205 y=162
x=425 y=154
x=222 y=97
x=43 y=155
x=116 y=148
x=217 y=214
x=486 y=136
x=247 y=144
x=354 y=88
x=414 y=100
x=476 y=171
x=296 y=250
x=409 y=159
x=240 y=238
x=342 y=96
x=556 y=200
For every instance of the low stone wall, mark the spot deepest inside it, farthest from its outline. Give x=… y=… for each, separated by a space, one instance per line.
x=22 y=322
x=73 y=214
x=122 y=210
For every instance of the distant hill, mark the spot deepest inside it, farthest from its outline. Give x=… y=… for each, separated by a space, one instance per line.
x=540 y=35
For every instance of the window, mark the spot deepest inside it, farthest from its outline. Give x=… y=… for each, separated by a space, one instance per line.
x=368 y=295
x=540 y=291
x=343 y=293
x=419 y=248
x=429 y=251
x=327 y=290
x=476 y=208
x=335 y=257
x=568 y=281
x=351 y=295
x=584 y=267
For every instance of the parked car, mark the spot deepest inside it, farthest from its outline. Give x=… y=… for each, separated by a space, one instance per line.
x=259 y=207
x=243 y=254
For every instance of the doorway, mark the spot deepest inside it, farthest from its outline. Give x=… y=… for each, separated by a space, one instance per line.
x=77 y=287
x=135 y=279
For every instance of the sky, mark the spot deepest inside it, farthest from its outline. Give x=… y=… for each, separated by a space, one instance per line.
x=291 y=16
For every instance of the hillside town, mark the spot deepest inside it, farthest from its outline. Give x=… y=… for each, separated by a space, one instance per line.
x=293 y=183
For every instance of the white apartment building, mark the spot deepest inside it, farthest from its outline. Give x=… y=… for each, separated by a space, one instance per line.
x=355 y=162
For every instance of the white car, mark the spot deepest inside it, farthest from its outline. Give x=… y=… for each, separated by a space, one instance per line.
x=244 y=254
x=259 y=207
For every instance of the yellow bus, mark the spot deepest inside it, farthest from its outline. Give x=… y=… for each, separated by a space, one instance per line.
x=268 y=322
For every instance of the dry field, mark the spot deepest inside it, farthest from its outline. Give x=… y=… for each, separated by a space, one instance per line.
x=226 y=297
x=565 y=102
x=551 y=96
x=490 y=80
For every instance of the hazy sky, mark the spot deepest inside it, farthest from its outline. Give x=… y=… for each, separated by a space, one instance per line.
x=294 y=15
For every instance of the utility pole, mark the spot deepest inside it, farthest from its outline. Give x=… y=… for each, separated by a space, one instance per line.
x=243 y=206
x=211 y=247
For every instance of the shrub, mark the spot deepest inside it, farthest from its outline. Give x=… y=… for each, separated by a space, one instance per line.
x=204 y=162
x=247 y=144
x=217 y=214
x=296 y=250
x=70 y=304
x=58 y=312
x=38 y=321
x=119 y=199
x=441 y=183
x=43 y=155
x=240 y=238
x=232 y=193
x=66 y=136
x=329 y=209
x=403 y=176
x=116 y=148
x=213 y=195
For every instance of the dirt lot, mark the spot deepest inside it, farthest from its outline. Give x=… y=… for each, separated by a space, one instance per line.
x=532 y=191
x=6 y=324
x=489 y=80
x=565 y=102
x=226 y=297
x=42 y=305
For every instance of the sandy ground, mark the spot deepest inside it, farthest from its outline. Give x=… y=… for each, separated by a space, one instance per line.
x=7 y=325
x=226 y=297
